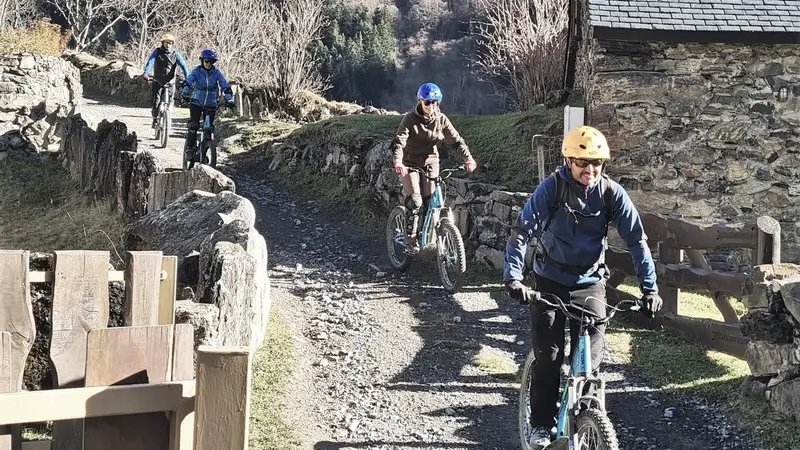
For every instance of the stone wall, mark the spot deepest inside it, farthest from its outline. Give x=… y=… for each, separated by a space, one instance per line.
x=483 y=212
x=36 y=94
x=773 y=325
x=120 y=79
x=697 y=129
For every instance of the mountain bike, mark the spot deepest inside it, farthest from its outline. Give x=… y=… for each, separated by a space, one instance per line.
x=164 y=118
x=438 y=229
x=206 y=150
x=583 y=423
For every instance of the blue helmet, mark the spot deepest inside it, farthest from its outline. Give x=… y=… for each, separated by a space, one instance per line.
x=209 y=54
x=429 y=92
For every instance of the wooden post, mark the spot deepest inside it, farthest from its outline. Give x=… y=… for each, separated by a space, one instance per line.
x=167 y=291
x=670 y=295
x=768 y=247
x=538 y=151
x=16 y=318
x=246 y=107
x=142 y=288
x=222 y=414
x=80 y=304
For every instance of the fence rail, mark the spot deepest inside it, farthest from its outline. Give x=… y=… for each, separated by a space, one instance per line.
x=678 y=240
x=113 y=386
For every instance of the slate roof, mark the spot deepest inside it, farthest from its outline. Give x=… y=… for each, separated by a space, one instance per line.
x=697 y=15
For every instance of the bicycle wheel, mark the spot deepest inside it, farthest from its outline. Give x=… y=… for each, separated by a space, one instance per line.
x=396 y=239
x=158 y=128
x=595 y=431
x=164 y=124
x=524 y=413
x=451 y=257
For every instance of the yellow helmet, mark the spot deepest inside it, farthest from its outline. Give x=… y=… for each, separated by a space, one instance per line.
x=585 y=142
x=168 y=37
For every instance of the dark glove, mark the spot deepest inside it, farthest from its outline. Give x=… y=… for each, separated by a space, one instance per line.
x=652 y=303
x=518 y=291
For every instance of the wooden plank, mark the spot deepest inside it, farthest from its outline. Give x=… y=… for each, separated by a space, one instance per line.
x=80 y=304
x=168 y=291
x=678 y=232
x=142 y=284
x=223 y=398
x=768 y=243
x=128 y=355
x=670 y=294
x=182 y=422
x=42 y=276
x=10 y=435
x=101 y=401
x=726 y=338
x=16 y=318
x=37 y=445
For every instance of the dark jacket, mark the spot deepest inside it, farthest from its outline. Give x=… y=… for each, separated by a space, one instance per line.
x=163 y=65
x=577 y=234
x=418 y=136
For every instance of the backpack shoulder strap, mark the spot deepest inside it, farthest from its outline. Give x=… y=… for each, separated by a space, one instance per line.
x=607 y=188
x=560 y=191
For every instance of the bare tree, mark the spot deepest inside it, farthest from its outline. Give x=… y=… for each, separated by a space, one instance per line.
x=90 y=19
x=523 y=44
x=150 y=18
x=17 y=13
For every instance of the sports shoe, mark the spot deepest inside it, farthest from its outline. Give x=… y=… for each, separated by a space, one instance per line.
x=539 y=438
x=412 y=245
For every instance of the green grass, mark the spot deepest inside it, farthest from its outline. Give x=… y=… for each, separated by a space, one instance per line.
x=500 y=143
x=272 y=368
x=42 y=209
x=253 y=133
x=495 y=362
x=677 y=365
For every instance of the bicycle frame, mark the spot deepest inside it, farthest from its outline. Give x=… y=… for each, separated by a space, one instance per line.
x=434 y=212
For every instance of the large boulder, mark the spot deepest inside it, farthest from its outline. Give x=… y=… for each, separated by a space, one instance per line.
x=181 y=226
x=222 y=255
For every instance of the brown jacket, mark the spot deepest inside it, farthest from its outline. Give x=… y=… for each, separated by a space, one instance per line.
x=418 y=136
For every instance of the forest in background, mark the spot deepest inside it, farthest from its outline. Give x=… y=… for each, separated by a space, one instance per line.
x=489 y=56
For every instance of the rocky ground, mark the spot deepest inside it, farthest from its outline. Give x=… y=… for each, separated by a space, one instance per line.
x=386 y=361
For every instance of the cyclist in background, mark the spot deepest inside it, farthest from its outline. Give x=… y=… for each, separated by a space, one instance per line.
x=415 y=145
x=163 y=62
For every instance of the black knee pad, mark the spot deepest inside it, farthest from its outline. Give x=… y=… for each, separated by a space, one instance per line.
x=194 y=126
x=414 y=203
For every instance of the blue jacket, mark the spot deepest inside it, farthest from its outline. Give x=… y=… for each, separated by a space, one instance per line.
x=163 y=65
x=577 y=237
x=205 y=85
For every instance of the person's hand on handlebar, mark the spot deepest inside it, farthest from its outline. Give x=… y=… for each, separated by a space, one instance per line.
x=146 y=77
x=401 y=169
x=470 y=165
x=518 y=291
x=651 y=303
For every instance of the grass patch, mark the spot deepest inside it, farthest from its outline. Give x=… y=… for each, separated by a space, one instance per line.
x=500 y=143
x=254 y=133
x=494 y=362
x=272 y=368
x=42 y=209
x=43 y=38
x=677 y=365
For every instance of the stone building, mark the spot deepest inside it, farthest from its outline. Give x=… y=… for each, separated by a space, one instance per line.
x=700 y=102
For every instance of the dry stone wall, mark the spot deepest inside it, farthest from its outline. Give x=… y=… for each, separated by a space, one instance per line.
x=699 y=130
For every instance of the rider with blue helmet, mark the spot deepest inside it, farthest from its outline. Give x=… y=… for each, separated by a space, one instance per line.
x=204 y=84
x=415 y=145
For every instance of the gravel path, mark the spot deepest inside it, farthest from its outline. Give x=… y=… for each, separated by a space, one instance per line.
x=385 y=361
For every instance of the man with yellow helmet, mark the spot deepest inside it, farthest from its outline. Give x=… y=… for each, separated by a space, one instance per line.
x=569 y=212
x=163 y=62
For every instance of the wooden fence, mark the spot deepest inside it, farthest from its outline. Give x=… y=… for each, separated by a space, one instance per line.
x=677 y=240
x=113 y=386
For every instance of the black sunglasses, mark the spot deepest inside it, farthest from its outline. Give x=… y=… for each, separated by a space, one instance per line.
x=582 y=163
x=431 y=102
